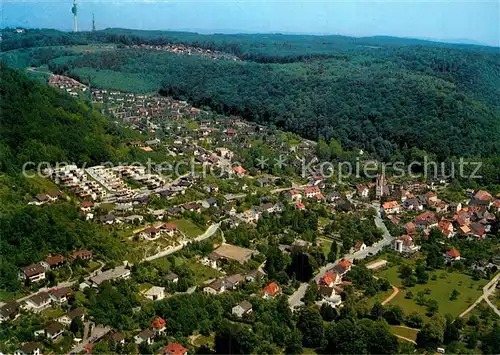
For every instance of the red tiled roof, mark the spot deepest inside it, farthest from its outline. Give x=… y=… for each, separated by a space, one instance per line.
x=453 y=253
x=330 y=277
x=169 y=226
x=54 y=260
x=300 y=205
x=158 y=323
x=86 y=204
x=390 y=204
x=174 y=349
x=483 y=195
x=271 y=289
x=239 y=169
x=312 y=190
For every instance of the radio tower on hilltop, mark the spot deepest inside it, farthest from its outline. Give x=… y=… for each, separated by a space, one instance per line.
x=74 y=10
x=93 y=22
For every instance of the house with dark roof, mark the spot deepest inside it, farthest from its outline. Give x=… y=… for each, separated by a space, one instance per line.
x=54 y=261
x=38 y=302
x=9 y=311
x=146 y=336
x=54 y=330
x=33 y=272
x=60 y=295
x=241 y=309
x=68 y=317
x=30 y=348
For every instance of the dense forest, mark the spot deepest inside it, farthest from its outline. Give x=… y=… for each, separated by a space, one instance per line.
x=40 y=124
x=360 y=101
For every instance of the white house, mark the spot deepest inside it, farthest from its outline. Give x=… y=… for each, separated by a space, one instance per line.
x=241 y=309
x=155 y=293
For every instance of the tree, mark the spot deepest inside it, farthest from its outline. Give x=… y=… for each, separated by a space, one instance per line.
x=394 y=315
x=76 y=326
x=311 y=293
x=405 y=271
x=491 y=340
x=294 y=343
x=328 y=313
x=333 y=254
x=430 y=336
x=454 y=294
x=451 y=332
x=432 y=307
x=102 y=347
x=414 y=320
x=377 y=311
x=422 y=276
x=311 y=326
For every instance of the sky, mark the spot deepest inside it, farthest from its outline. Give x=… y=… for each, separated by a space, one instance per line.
x=445 y=20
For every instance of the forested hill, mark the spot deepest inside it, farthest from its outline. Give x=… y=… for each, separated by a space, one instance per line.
x=382 y=94
x=37 y=123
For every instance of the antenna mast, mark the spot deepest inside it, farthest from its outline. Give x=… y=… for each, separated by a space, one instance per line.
x=93 y=22
x=74 y=10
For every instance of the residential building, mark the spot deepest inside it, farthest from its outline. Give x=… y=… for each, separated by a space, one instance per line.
x=82 y=254
x=405 y=244
x=452 y=255
x=120 y=272
x=172 y=277
x=54 y=262
x=9 y=311
x=54 y=330
x=68 y=317
x=216 y=287
x=241 y=309
x=146 y=336
x=174 y=349
x=155 y=293
x=159 y=325
x=360 y=245
x=38 y=302
x=271 y=290
x=60 y=295
x=331 y=278
x=391 y=207
x=31 y=348
x=33 y=272
x=426 y=219
x=342 y=267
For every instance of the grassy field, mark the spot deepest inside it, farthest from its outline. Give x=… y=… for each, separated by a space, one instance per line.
x=200 y=272
x=43 y=184
x=6 y=295
x=187 y=227
x=440 y=290
x=326 y=245
x=404 y=332
x=51 y=313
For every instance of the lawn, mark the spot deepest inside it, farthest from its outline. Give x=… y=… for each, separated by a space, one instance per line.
x=6 y=295
x=404 y=331
x=52 y=313
x=43 y=184
x=440 y=290
x=187 y=227
x=201 y=272
x=326 y=245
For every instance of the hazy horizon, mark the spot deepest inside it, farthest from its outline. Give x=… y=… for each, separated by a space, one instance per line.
x=446 y=21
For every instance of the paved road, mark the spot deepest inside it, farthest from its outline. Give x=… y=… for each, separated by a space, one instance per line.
x=487 y=290
x=295 y=300
x=208 y=233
